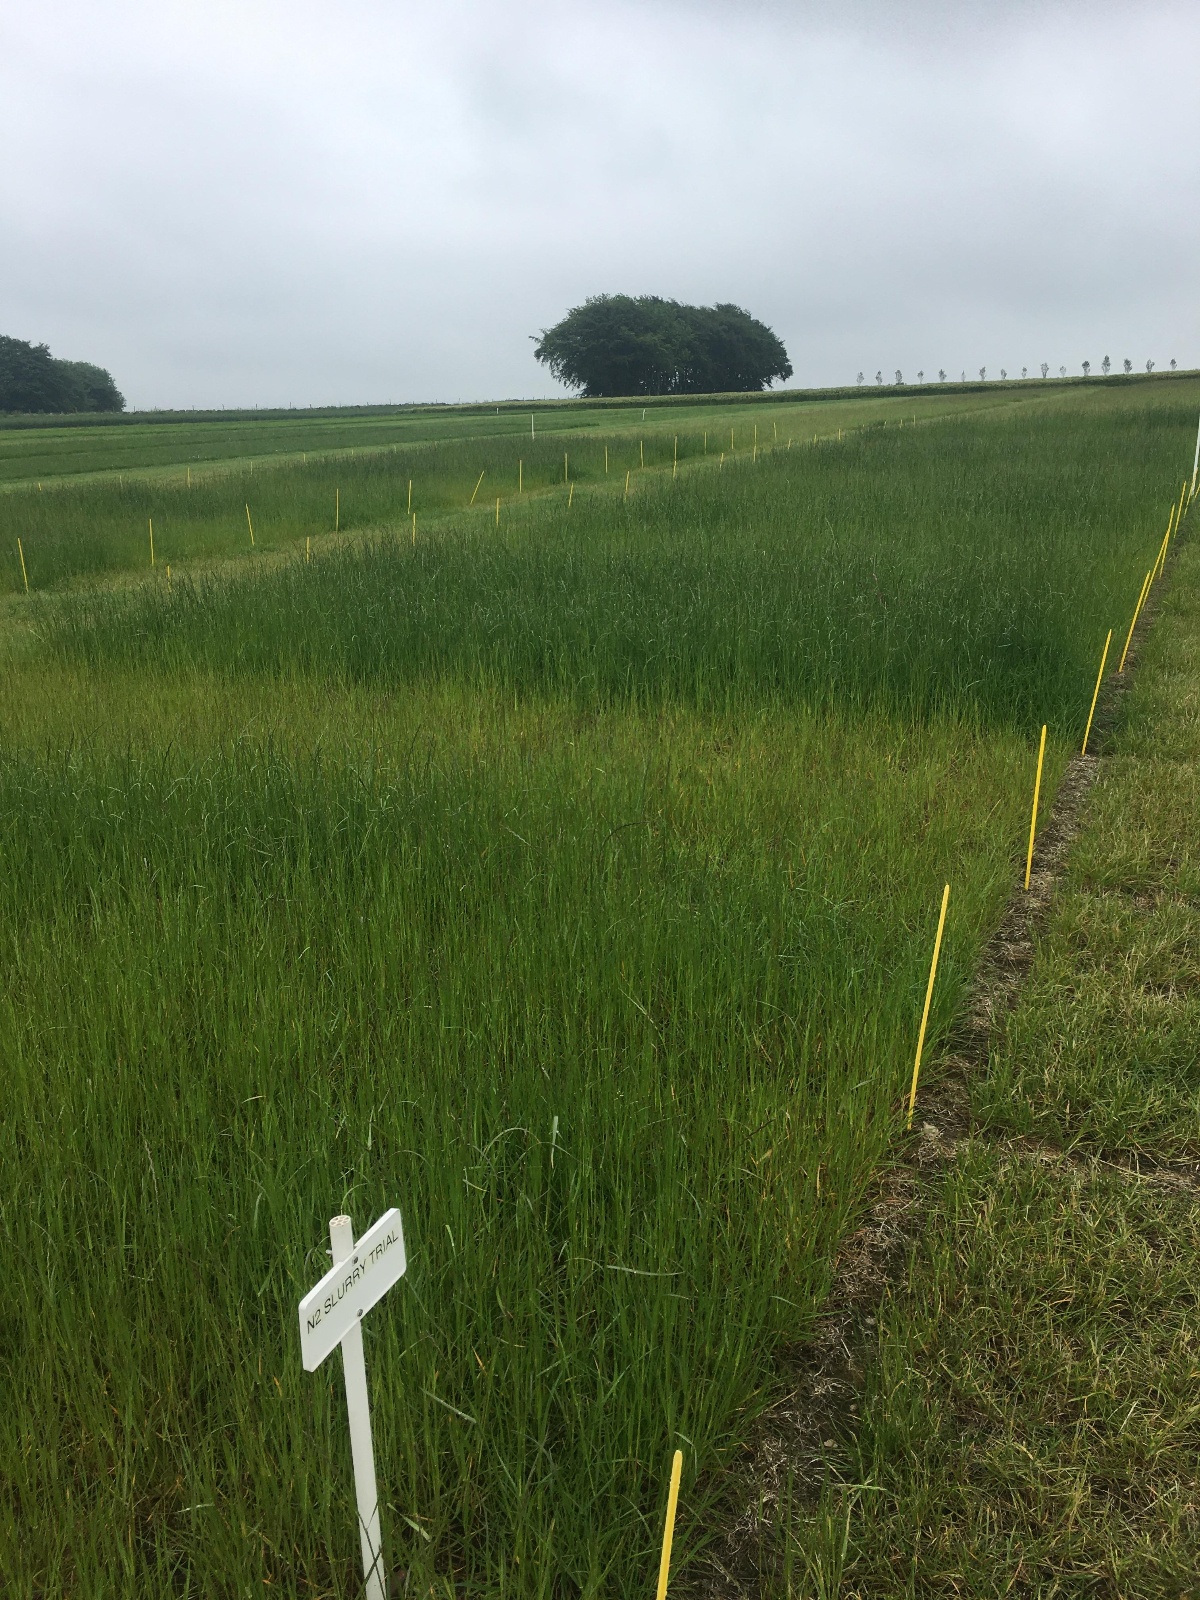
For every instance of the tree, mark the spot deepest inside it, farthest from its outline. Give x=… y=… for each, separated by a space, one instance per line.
x=1062 y=372
x=1045 y=368
x=1127 y=364
x=920 y=377
x=879 y=377
x=1149 y=366
x=616 y=344
x=899 y=376
x=31 y=379
x=941 y=374
x=1173 y=364
x=1003 y=373
x=1087 y=367
x=1024 y=372
x=1106 y=366
x=860 y=378
x=983 y=374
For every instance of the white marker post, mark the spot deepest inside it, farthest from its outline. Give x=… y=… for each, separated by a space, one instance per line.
x=331 y=1314
x=1195 y=463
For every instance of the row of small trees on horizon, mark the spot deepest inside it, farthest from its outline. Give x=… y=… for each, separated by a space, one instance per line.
x=1086 y=368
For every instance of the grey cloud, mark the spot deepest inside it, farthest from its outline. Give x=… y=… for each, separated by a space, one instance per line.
x=300 y=203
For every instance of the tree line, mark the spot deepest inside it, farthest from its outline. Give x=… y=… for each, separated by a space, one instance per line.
x=31 y=379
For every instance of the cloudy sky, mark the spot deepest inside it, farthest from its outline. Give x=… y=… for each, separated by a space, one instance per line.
x=368 y=200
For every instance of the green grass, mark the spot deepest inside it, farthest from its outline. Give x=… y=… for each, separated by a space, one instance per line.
x=301 y=478
x=332 y=886
x=990 y=592
x=1028 y=1422
x=46 y=448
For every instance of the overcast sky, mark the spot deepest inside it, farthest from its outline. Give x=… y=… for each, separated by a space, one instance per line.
x=272 y=203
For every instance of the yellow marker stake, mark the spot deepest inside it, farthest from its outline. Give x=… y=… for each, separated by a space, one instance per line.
x=664 y=1565
x=307 y=549
x=627 y=486
x=151 y=521
x=250 y=525
x=337 y=509
x=570 y=496
x=775 y=429
x=497 y=510
x=410 y=496
x=641 y=453
x=1162 y=558
x=675 y=462
x=1096 y=694
x=1137 y=611
x=189 y=483
x=706 y=443
x=414 y=527
x=721 y=464
x=937 y=946
x=1037 y=789
x=731 y=441
x=520 y=477
x=24 y=574
x=754 y=450
x=565 y=475
x=168 y=577
x=606 y=461
x=475 y=491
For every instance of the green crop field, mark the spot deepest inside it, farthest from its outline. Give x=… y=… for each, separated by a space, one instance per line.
x=564 y=873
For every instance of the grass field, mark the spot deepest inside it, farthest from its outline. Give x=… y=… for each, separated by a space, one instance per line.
x=1029 y=1419
x=569 y=883
x=82 y=500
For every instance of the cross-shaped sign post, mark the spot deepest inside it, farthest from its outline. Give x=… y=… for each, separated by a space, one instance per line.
x=331 y=1314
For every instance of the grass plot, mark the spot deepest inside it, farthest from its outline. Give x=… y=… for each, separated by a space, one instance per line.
x=573 y=890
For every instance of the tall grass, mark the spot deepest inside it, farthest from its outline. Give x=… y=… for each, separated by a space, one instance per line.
x=958 y=566
x=293 y=985
x=571 y=886
x=72 y=529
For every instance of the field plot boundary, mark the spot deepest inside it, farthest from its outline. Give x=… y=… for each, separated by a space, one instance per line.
x=787 y=1470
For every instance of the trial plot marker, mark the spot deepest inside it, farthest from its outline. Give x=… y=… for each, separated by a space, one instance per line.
x=476 y=489
x=937 y=948
x=331 y=1313
x=1137 y=611
x=664 y=1565
x=250 y=525
x=24 y=574
x=1096 y=694
x=1037 y=789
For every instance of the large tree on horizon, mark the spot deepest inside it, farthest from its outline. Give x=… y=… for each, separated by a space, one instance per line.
x=31 y=379
x=619 y=344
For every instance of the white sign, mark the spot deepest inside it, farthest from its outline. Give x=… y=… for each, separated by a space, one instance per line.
x=350 y=1288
